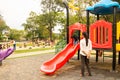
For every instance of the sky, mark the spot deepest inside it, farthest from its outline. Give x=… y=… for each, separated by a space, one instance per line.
x=15 y=12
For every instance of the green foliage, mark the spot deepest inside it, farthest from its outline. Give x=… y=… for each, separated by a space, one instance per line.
x=60 y=46
x=49 y=9
x=30 y=25
x=41 y=25
x=16 y=34
x=74 y=19
x=3 y=28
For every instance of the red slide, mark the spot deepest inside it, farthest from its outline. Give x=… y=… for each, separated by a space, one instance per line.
x=50 y=66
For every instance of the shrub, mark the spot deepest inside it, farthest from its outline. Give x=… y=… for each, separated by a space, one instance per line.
x=60 y=45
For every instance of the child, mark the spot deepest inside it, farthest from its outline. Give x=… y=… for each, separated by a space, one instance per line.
x=85 y=50
x=75 y=39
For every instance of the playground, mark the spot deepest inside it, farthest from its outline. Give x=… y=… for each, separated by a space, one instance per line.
x=27 y=68
x=105 y=37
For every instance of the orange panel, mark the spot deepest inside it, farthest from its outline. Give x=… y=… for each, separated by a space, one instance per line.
x=103 y=31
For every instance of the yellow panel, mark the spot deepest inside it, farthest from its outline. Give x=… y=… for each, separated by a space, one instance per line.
x=117 y=47
x=118 y=30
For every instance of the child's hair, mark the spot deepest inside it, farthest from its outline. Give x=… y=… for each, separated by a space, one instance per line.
x=86 y=37
x=75 y=37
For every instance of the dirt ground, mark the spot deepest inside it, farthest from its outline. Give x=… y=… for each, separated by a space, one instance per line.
x=28 y=68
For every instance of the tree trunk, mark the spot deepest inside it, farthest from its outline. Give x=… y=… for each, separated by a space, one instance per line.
x=50 y=30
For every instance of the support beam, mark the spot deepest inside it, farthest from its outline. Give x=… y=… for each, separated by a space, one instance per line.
x=114 y=39
x=67 y=21
x=79 y=49
x=97 y=41
x=119 y=57
x=88 y=22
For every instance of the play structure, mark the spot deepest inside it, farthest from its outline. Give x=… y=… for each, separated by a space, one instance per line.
x=5 y=53
x=50 y=66
x=107 y=35
x=103 y=34
x=118 y=37
x=100 y=34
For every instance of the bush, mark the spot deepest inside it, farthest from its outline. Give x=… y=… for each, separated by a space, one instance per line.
x=60 y=45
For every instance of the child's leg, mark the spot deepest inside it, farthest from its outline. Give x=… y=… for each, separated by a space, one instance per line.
x=82 y=65
x=87 y=65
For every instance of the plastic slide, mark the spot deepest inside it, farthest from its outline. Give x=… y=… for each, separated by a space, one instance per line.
x=4 y=54
x=50 y=66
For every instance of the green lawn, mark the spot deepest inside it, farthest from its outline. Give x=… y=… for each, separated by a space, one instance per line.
x=31 y=50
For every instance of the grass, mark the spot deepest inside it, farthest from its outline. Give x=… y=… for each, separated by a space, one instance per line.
x=31 y=50
x=30 y=55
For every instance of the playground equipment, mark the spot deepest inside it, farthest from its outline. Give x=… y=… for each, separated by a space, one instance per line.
x=50 y=66
x=60 y=59
x=105 y=7
x=102 y=34
x=4 y=54
x=118 y=37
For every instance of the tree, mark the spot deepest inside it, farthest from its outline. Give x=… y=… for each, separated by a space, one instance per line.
x=35 y=26
x=16 y=34
x=3 y=27
x=30 y=25
x=50 y=10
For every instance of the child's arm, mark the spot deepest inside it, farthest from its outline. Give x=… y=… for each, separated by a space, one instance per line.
x=88 y=55
x=84 y=52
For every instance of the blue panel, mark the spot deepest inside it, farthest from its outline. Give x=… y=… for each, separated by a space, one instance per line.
x=103 y=7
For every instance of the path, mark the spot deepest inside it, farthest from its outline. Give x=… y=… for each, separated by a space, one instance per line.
x=31 y=53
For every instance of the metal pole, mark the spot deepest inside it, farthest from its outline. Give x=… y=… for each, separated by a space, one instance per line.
x=67 y=21
x=88 y=22
x=114 y=39
x=79 y=49
x=98 y=17
x=97 y=41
